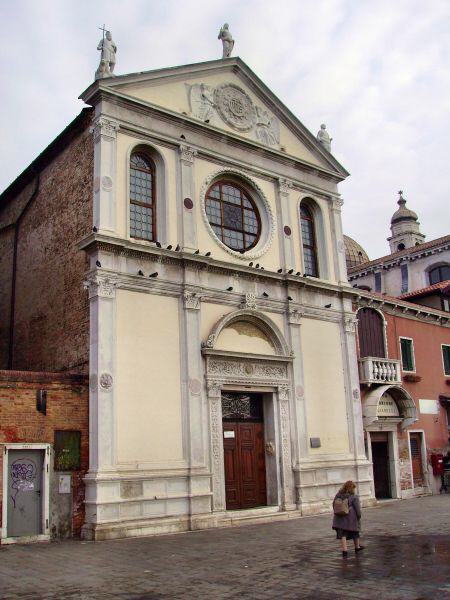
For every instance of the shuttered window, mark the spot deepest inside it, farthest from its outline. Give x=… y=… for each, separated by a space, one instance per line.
x=446 y=359
x=370 y=333
x=407 y=350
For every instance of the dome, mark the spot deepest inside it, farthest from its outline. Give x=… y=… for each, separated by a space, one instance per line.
x=355 y=254
x=403 y=213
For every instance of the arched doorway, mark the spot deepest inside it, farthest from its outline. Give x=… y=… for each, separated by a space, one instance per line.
x=248 y=380
x=385 y=409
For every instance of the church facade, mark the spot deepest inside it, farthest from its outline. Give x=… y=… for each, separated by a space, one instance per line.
x=220 y=342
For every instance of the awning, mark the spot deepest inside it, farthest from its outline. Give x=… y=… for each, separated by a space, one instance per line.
x=406 y=406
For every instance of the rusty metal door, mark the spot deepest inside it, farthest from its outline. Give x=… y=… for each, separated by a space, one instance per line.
x=25 y=474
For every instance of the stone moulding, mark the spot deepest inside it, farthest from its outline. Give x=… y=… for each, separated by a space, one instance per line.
x=268 y=220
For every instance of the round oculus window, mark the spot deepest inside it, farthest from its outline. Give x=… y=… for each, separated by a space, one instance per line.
x=233 y=216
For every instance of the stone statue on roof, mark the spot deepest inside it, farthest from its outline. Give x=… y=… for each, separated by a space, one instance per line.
x=324 y=137
x=227 y=40
x=108 y=51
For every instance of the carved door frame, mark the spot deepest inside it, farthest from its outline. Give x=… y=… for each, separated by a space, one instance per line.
x=231 y=371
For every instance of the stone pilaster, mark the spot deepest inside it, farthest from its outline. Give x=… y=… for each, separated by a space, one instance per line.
x=287 y=245
x=102 y=293
x=287 y=483
x=105 y=130
x=353 y=396
x=340 y=267
x=216 y=432
x=187 y=200
x=294 y=317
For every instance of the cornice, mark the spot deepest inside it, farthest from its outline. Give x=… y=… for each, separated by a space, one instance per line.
x=398 y=307
x=100 y=242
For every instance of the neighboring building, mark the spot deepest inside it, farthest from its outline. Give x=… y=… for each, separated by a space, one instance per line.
x=204 y=221
x=412 y=264
x=404 y=364
x=44 y=454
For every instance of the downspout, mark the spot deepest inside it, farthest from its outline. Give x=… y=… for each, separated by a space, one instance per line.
x=14 y=272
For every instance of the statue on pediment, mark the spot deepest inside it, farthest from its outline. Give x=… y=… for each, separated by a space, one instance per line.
x=227 y=40
x=108 y=51
x=324 y=137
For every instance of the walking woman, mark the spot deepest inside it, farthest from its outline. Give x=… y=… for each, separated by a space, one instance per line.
x=347 y=517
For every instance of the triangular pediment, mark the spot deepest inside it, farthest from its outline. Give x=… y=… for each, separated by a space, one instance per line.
x=227 y=95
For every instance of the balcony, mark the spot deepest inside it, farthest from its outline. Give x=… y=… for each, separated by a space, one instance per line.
x=379 y=370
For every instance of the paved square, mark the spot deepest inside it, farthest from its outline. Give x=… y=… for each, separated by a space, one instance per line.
x=407 y=556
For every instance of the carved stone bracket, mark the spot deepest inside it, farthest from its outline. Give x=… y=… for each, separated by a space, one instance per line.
x=250 y=301
x=187 y=154
x=101 y=286
x=103 y=126
x=191 y=300
x=284 y=185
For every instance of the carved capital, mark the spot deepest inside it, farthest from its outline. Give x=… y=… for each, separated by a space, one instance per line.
x=215 y=389
x=337 y=203
x=350 y=324
x=250 y=301
x=101 y=286
x=283 y=393
x=187 y=154
x=103 y=126
x=191 y=300
x=295 y=316
x=284 y=185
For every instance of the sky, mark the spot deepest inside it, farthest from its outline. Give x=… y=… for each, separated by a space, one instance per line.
x=376 y=72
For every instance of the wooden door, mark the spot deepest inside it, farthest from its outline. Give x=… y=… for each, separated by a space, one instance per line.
x=370 y=333
x=245 y=469
x=380 y=460
x=415 y=441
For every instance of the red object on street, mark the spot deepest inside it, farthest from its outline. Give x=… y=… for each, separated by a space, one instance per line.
x=437 y=462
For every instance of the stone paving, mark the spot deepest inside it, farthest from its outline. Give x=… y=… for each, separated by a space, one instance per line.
x=407 y=555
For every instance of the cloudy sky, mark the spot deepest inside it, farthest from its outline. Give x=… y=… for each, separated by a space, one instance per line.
x=377 y=72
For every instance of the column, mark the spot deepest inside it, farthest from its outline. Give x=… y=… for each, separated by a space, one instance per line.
x=287 y=483
x=102 y=292
x=216 y=429
x=287 y=247
x=340 y=266
x=187 y=189
x=105 y=134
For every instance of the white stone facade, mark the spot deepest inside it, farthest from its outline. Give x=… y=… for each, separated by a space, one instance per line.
x=163 y=348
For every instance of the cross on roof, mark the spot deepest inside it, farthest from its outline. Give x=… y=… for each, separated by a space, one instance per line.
x=103 y=29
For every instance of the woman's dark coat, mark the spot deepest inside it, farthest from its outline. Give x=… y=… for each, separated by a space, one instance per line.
x=348 y=522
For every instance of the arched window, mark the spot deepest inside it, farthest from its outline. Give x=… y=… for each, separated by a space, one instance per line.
x=439 y=274
x=309 y=241
x=142 y=197
x=233 y=215
x=371 y=333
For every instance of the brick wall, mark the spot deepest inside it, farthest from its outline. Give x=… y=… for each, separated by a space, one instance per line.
x=51 y=312
x=67 y=409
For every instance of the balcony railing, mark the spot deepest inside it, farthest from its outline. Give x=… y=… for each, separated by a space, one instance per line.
x=379 y=370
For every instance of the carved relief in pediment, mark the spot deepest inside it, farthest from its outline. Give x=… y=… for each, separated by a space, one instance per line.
x=231 y=104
